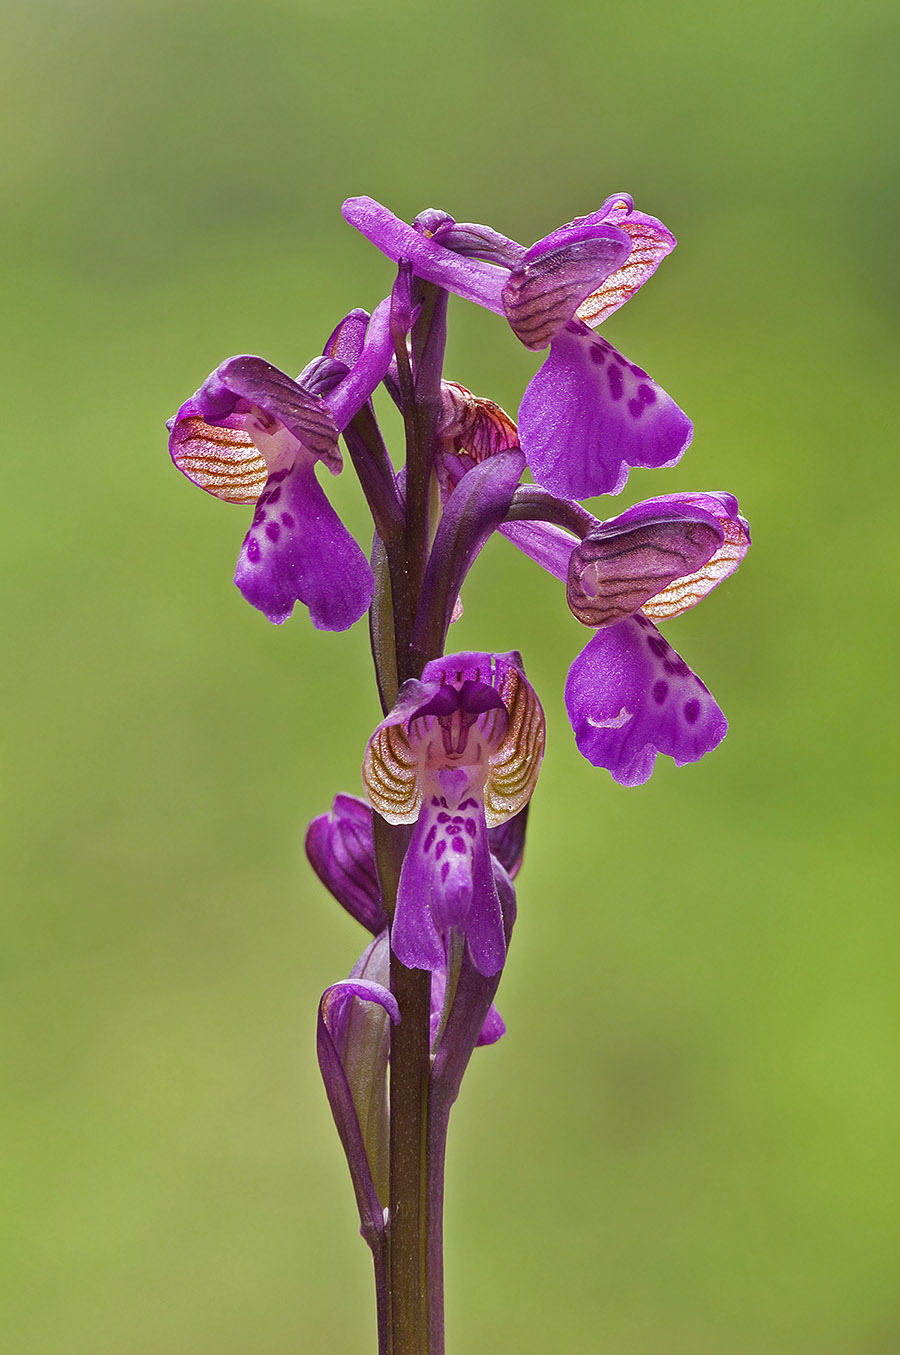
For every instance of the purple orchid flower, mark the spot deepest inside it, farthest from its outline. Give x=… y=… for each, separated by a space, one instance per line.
x=629 y=694
x=589 y=413
x=251 y=434
x=459 y=753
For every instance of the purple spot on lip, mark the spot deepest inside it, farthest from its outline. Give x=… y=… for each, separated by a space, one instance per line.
x=660 y=692
x=443 y=818
x=432 y=833
x=277 y=476
x=638 y=371
x=692 y=711
x=641 y=619
x=676 y=665
x=275 y=495
x=287 y=519
x=645 y=397
x=253 y=551
x=259 y=516
x=597 y=354
x=622 y=361
x=657 y=644
x=445 y=871
x=273 y=531
x=440 y=849
x=616 y=385
x=458 y=845
x=574 y=327
x=470 y=827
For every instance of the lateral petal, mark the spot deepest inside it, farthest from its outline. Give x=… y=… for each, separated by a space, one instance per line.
x=630 y=696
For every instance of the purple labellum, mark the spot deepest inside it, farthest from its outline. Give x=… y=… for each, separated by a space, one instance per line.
x=630 y=696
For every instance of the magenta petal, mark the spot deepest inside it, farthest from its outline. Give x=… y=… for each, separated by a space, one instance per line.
x=484 y=926
x=630 y=696
x=588 y=414
x=306 y=417
x=415 y=939
x=555 y=275
x=341 y=851
x=468 y=278
x=447 y=881
x=298 y=550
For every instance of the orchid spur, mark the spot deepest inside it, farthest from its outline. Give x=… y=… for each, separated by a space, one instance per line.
x=426 y=864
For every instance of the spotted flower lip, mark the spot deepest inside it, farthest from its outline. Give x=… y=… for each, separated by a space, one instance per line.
x=629 y=695
x=459 y=753
x=251 y=434
x=588 y=414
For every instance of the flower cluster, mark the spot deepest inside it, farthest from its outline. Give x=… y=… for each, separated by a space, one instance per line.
x=426 y=864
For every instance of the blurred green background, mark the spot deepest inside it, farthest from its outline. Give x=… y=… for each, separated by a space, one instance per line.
x=687 y=1145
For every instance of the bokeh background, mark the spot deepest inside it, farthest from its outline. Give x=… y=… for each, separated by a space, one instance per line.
x=687 y=1144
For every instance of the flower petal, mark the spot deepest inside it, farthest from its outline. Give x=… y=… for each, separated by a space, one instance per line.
x=298 y=550
x=651 y=241
x=469 y=278
x=220 y=458
x=306 y=417
x=630 y=696
x=346 y=340
x=515 y=765
x=556 y=274
x=341 y=851
x=686 y=592
x=447 y=881
x=631 y=558
x=588 y=414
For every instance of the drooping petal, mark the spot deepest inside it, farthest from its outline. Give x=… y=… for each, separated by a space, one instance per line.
x=651 y=241
x=686 y=592
x=555 y=275
x=469 y=278
x=298 y=549
x=630 y=696
x=633 y=557
x=588 y=414
x=341 y=851
x=447 y=881
x=220 y=458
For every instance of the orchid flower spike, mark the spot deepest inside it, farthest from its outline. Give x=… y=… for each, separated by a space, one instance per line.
x=458 y=754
